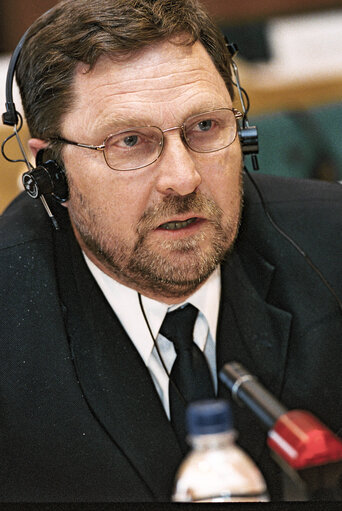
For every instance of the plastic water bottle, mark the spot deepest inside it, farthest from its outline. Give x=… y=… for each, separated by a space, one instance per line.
x=216 y=470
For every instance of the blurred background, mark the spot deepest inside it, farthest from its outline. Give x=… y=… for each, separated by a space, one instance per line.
x=290 y=63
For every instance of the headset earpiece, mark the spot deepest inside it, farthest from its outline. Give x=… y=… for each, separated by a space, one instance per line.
x=249 y=143
x=39 y=157
x=48 y=178
x=249 y=140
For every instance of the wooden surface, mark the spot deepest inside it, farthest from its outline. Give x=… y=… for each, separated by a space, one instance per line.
x=10 y=181
x=269 y=96
x=232 y=11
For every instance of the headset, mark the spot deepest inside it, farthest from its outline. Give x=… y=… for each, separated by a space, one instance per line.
x=49 y=178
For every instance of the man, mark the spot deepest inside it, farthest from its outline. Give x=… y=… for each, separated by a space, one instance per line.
x=134 y=99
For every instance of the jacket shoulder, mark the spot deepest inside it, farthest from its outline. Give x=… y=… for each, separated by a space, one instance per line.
x=288 y=218
x=281 y=190
x=23 y=221
x=294 y=202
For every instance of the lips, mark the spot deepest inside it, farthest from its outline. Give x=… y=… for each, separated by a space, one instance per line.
x=175 y=225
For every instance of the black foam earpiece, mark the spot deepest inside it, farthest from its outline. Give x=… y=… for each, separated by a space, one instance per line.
x=48 y=178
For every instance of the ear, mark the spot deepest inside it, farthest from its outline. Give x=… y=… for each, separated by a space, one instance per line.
x=35 y=144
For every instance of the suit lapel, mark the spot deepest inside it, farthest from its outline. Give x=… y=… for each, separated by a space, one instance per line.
x=114 y=380
x=251 y=332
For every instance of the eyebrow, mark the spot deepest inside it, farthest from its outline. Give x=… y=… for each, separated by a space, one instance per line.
x=119 y=121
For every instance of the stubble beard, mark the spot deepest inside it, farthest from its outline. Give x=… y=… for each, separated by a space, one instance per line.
x=173 y=268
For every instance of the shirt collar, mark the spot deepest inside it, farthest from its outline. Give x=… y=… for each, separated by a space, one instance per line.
x=125 y=303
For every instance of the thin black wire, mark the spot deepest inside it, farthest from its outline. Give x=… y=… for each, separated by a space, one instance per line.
x=153 y=339
x=247 y=106
x=293 y=243
x=14 y=134
x=158 y=351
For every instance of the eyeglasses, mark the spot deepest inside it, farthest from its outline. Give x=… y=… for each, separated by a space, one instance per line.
x=135 y=148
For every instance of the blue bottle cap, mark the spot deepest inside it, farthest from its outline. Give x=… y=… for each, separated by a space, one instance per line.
x=209 y=417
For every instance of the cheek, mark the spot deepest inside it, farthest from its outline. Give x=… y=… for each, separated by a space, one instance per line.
x=223 y=176
x=117 y=200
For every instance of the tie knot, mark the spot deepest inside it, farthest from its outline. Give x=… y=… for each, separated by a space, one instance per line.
x=178 y=326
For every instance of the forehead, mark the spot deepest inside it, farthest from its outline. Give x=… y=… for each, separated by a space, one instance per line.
x=162 y=81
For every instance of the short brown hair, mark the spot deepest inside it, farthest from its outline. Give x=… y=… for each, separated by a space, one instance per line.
x=82 y=30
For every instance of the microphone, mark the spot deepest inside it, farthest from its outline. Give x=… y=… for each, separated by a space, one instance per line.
x=305 y=449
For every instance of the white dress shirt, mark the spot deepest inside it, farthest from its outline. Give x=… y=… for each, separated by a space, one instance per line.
x=125 y=303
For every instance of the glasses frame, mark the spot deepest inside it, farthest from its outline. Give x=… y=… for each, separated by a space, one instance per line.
x=102 y=147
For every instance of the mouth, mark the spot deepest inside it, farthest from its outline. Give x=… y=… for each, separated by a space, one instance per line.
x=176 y=225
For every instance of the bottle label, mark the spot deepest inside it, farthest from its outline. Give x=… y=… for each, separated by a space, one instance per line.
x=226 y=497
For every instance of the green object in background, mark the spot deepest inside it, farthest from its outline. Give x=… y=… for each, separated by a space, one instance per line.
x=301 y=143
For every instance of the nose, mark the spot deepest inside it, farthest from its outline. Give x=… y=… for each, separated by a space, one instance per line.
x=177 y=171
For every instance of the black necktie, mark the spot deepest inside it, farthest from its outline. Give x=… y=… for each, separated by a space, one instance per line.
x=190 y=378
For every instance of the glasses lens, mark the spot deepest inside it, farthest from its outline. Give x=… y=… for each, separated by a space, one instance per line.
x=134 y=148
x=210 y=131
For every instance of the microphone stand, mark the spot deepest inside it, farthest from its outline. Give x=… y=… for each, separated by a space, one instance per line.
x=308 y=453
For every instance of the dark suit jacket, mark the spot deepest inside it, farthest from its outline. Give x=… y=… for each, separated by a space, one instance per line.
x=80 y=417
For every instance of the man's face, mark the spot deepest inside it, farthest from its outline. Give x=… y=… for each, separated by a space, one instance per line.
x=135 y=225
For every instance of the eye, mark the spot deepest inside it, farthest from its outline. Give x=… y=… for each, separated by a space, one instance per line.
x=204 y=125
x=131 y=140
x=127 y=140
x=140 y=143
